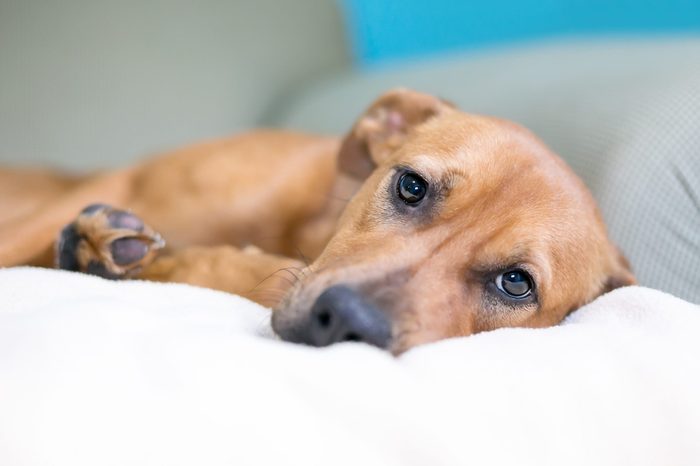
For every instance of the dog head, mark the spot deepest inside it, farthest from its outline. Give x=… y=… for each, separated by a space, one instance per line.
x=463 y=224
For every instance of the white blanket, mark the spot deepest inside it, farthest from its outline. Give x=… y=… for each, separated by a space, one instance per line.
x=94 y=373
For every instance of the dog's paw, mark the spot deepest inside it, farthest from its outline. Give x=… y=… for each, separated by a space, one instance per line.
x=107 y=242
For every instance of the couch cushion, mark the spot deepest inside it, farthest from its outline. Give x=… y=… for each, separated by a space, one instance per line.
x=650 y=191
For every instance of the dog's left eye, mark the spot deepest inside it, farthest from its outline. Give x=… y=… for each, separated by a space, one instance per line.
x=515 y=283
x=411 y=188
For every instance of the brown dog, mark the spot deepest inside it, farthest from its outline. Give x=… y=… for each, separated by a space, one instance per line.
x=451 y=224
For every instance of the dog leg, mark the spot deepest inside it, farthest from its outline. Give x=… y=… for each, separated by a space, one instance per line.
x=116 y=244
x=23 y=191
x=28 y=238
x=248 y=272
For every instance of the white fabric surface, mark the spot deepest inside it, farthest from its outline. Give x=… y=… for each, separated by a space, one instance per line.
x=102 y=373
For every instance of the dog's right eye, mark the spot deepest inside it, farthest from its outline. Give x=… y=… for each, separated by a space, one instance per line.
x=411 y=188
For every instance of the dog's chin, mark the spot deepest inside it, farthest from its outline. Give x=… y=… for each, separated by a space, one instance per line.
x=286 y=329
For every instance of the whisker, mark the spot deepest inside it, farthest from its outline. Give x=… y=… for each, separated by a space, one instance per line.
x=290 y=271
x=287 y=279
x=269 y=277
x=303 y=257
x=267 y=295
x=304 y=272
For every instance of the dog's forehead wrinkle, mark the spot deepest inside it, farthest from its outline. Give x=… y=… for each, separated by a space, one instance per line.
x=431 y=164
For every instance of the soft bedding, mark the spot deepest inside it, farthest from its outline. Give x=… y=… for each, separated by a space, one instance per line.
x=94 y=372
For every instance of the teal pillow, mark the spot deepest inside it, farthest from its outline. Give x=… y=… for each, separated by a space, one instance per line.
x=385 y=30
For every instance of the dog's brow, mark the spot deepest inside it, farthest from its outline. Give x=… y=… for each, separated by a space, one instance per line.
x=435 y=167
x=429 y=164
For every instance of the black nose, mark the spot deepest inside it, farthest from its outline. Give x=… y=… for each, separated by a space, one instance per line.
x=341 y=314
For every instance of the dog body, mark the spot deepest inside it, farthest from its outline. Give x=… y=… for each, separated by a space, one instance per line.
x=270 y=188
x=423 y=223
x=210 y=202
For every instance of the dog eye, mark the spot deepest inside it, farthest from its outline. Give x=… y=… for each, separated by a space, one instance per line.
x=515 y=283
x=411 y=188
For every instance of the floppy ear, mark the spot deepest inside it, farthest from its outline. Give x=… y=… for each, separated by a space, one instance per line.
x=621 y=275
x=384 y=127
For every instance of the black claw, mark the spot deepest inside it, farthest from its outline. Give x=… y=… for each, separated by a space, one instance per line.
x=92 y=208
x=66 y=249
x=99 y=269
